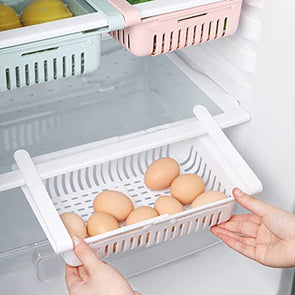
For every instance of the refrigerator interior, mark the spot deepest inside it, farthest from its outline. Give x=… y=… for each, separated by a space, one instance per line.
x=37 y=118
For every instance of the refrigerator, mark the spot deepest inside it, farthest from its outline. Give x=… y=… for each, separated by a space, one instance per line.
x=119 y=109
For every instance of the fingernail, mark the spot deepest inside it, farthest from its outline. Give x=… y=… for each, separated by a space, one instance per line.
x=238 y=192
x=76 y=241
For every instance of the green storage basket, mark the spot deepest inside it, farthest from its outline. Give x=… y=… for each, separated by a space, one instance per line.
x=47 y=60
x=59 y=57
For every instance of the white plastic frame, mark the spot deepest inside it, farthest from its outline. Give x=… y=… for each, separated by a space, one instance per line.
x=136 y=234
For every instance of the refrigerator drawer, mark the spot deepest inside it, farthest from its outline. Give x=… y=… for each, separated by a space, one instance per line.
x=48 y=60
x=70 y=183
x=162 y=33
x=62 y=48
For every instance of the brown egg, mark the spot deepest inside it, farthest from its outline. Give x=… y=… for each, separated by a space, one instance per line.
x=74 y=224
x=115 y=203
x=168 y=205
x=101 y=222
x=185 y=188
x=141 y=214
x=206 y=198
x=160 y=174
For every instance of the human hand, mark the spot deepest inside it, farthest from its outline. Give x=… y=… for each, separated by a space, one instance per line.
x=94 y=277
x=266 y=236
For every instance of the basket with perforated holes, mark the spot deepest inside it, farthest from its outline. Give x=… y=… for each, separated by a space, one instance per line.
x=170 y=31
x=47 y=60
x=70 y=183
x=52 y=58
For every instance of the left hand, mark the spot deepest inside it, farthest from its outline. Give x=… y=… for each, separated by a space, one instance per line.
x=94 y=277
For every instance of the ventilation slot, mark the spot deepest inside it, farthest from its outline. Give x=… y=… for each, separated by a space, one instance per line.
x=123 y=36
x=211 y=220
x=106 y=250
x=128 y=41
x=217 y=27
x=171 y=41
x=178 y=40
x=195 y=35
x=202 y=32
x=64 y=67
x=209 y=31
x=163 y=43
x=36 y=69
x=27 y=74
x=8 y=82
x=45 y=70
x=186 y=37
x=82 y=63
x=54 y=69
x=115 y=248
x=154 y=45
x=218 y=217
x=224 y=26
x=204 y=221
x=17 y=77
x=73 y=65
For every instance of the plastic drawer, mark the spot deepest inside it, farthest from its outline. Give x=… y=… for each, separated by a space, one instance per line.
x=49 y=60
x=175 y=30
x=57 y=57
x=70 y=183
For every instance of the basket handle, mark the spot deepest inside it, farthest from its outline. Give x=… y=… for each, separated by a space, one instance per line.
x=131 y=14
x=253 y=183
x=114 y=17
x=41 y=204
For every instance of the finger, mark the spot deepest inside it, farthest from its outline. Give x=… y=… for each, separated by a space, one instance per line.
x=137 y=293
x=246 y=250
x=220 y=231
x=86 y=255
x=247 y=217
x=83 y=273
x=246 y=228
x=72 y=276
x=249 y=202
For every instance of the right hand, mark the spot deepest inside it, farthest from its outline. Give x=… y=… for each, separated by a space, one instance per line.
x=94 y=277
x=266 y=236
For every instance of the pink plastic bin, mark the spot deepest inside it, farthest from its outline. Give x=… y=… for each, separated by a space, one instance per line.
x=170 y=31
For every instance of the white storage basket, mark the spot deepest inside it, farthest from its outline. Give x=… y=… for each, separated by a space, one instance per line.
x=72 y=182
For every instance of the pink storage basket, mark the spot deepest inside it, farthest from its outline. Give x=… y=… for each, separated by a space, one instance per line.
x=170 y=31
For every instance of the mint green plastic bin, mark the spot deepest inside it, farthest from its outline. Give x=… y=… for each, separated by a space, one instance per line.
x=59 y=57
x=50 y=59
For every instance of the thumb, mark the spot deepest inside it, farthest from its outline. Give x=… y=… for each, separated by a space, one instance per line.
x=86 y=255
x=252 y=204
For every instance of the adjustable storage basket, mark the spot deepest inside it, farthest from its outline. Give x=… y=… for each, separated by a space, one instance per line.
x=70 y=183
x=57 y=57
x=175 y=30
x=47 y=60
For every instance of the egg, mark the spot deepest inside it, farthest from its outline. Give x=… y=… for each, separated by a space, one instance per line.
x=185 y=188
x=9 y=18
x=208 y=197
x=168 y=205
x=42 y=11
x=160 y=174
x=74 y=224
x=140 y=214
x=101 y=222
x=115 y=203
